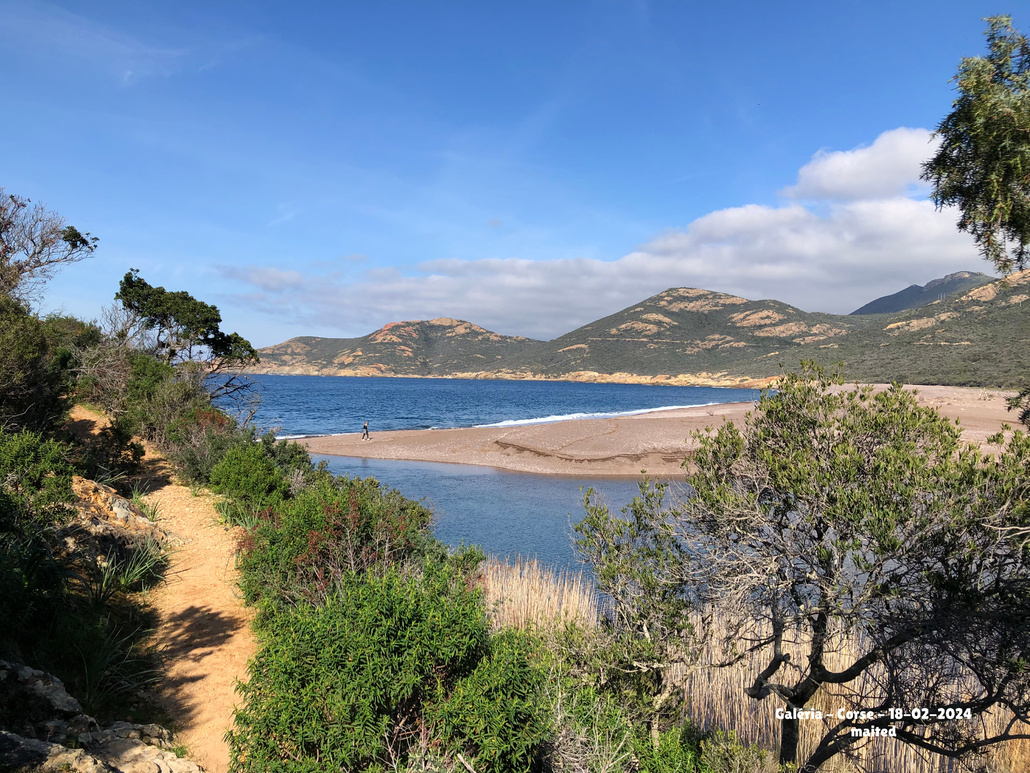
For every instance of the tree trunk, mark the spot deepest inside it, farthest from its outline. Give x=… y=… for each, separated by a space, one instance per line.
x=789 y=735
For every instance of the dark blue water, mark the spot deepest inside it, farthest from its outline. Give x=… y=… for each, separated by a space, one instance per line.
x=328 y=405
x=505 y=513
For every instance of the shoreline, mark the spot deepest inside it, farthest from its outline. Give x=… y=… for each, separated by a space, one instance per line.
x=702 y=379
x=652 y=444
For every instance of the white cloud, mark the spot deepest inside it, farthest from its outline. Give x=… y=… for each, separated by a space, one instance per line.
x=864 y=237
x=270 y=279
x=888 y=167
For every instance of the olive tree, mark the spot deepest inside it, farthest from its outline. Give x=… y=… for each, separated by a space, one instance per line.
x=848 y=543
x=35 y=242
x=982 y=165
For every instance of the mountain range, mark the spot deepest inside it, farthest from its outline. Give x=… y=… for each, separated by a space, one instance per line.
x=976 y=335
x=915 y=296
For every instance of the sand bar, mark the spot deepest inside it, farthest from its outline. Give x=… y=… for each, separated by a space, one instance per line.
x=620 y=446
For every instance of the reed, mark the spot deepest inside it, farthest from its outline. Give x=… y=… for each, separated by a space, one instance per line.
x=527 y=594
x=716 y=699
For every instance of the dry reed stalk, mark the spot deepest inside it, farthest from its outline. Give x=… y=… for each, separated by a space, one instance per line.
x=716 y=699
x=529 y=594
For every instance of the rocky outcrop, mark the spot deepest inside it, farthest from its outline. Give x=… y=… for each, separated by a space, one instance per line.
x=107 y=522
x=46 y=730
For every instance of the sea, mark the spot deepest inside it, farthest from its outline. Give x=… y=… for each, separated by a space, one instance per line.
x=507 y=514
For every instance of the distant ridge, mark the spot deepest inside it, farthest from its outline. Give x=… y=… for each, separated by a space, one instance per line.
x=685 y=335
x=914 y=296
x=416 y=348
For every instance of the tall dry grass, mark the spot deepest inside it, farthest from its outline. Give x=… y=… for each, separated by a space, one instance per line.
x=528 y=594
x=716 y=698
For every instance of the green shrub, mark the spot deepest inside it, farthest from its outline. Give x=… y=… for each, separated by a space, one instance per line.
x=724 y=753
x=35 y=484
x=288 y=456
x=495 y=715
x=30 y=388
x=342 y=686
x=248 y=475
x=334 y=526
x=678 y=751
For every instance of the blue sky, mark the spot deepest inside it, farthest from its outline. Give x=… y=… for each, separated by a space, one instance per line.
x=326 y=168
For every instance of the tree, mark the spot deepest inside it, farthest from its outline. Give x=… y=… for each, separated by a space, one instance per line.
x=186 y=331
x=34 y=243
x=983 y=163
x=31 y=383
x=850 y=544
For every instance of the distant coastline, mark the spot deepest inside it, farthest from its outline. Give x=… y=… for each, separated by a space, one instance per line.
x=584 y=377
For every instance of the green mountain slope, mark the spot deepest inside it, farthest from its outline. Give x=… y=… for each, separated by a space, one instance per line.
x=421 y=348
x=688 y=335
x=978 y=338
x=682 y=330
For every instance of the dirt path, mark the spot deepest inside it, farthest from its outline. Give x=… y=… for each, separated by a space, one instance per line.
x=204 y=630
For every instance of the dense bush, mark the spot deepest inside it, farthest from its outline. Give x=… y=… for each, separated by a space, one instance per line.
x=354 y=683
x=334 y=526
x=30 y=387
x=35 y=484
x=247 y=474
x=496 y=714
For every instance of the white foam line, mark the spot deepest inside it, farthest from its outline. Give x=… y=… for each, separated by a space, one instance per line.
x=578 y=416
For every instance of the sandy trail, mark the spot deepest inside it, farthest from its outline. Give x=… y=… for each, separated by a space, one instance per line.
x=204 y=630
x=621 y=446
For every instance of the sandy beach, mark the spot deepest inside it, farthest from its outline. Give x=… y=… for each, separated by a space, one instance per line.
x=623 y=446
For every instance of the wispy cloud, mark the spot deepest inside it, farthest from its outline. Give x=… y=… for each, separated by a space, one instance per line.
x=269 y=279
x=284 y=214
x=126 y=58
x=856 y=236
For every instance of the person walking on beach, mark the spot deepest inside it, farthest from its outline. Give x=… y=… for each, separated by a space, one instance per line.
x=364 y=433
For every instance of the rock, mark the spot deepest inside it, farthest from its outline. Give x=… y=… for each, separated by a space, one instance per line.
x=45 y=717
x=33 y=696
x=106 y=752
x=17 y=752
x=106 y=523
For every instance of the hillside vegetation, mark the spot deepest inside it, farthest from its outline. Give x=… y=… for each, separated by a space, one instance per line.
x=689 y=335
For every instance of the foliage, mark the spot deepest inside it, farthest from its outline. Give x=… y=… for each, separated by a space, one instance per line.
x=352 y=684
x=34 y=243
x=638 y=563
x=334 y=526
x=247 y=474
x=677 y=750
x=842 y=513
x=1021 y=402
x=35 y=484
x=30 y=387
x=183 y=326
x=723 y=753
x=495 y=714
x=983 y=162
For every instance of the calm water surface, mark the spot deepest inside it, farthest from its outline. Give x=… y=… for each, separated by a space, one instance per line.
x=505 y=513
x=508 y=514
x=325 y=405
